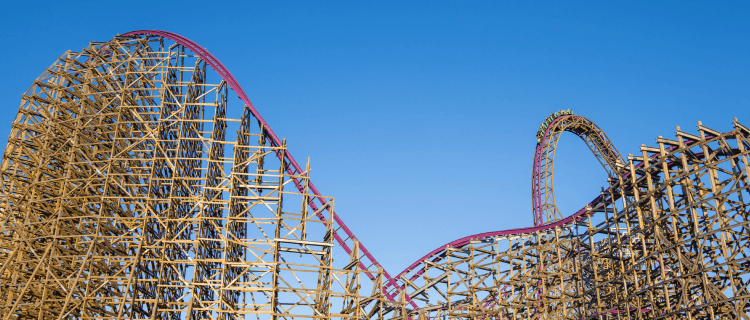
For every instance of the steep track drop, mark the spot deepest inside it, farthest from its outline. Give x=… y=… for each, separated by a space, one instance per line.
x=122 y=198
x=542 y=193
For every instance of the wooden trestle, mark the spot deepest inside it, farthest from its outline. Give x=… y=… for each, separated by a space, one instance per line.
x=667 y=239
x=122 y=198
x=130 y=190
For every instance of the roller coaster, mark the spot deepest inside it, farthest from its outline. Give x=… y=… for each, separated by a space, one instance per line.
x=123 y=197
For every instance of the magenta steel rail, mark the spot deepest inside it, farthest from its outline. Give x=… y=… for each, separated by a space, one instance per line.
x=539 y=225
x=536 y=177
x=232 y=82
x=392 y=289
x=441 y=251
x=536 y=194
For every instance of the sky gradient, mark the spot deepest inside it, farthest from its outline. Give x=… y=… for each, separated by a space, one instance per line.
x=420 y=117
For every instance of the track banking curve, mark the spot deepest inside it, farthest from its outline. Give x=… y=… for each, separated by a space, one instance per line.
x=626 y=185
x=628 y=179
x=234 y=84
x=127 y=195
x=548 y=136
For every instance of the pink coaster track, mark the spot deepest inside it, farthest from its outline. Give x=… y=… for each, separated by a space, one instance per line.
x=676 y=247
x=392 y=287
x=341 y=237
x=545 y=213
x=559 y=122
x=416 y=269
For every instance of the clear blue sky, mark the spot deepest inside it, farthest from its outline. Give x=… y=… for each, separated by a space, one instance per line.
x=420 y=117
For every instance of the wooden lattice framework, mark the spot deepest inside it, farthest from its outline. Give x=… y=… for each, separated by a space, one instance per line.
x=123 y=198
x=542 y=183
x=667 y=239
x=132 y=189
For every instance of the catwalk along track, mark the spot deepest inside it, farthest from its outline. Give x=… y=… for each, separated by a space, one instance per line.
x=131 y=189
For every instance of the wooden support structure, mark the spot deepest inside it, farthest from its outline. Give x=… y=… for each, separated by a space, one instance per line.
x=667 y=239
x=135 y=187
x=123 y=198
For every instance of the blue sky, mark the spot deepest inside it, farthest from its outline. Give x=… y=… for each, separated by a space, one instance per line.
x=420 y=117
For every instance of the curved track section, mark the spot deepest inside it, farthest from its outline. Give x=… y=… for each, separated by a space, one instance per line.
x=667 y=239
x=543 y=200
x=133 y=188
x=542 y=187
